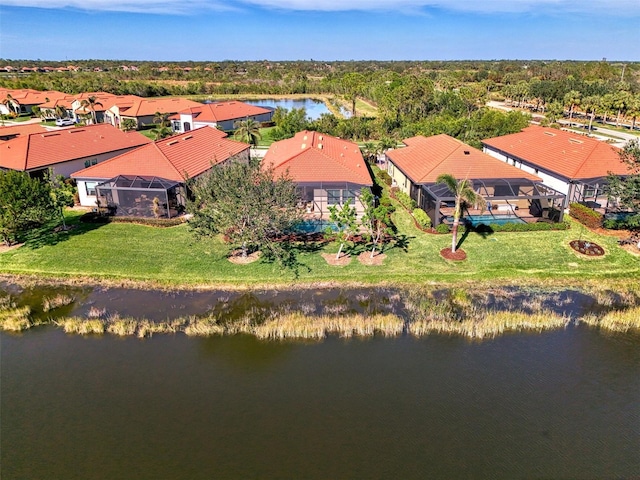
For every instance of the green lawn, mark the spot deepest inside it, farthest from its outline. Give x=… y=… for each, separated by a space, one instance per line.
x=175 y=256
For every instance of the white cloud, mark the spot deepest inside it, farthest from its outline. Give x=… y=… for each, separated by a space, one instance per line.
x=620 y=7
x=167 y=7
x=611 y=7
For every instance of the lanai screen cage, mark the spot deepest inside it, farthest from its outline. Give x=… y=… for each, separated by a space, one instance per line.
x=521 y=198
x=139 y=196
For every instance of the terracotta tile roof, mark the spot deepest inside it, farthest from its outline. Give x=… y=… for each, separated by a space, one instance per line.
x=52 y=104
x=425 y=158
x=222 y=111
x=569 y=155
x=315 y=157
x=190 y=154
x=142 y=107
x=39 y=150
x=21 y=130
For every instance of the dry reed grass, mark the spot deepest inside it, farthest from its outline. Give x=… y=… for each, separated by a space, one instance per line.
x=81 y=326
x=14 y=319
x=490 y=325
x=59 y=300
x=616 y=321
x=297 y=325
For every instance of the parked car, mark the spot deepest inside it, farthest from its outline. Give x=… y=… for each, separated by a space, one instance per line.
x=64 y=122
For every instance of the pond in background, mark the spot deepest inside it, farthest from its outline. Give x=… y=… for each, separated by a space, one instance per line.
x=314 y=108
x=561 y=404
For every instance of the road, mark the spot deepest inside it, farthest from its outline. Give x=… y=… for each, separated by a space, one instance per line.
x=620 y=138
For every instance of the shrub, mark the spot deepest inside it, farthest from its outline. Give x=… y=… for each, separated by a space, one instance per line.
x=523 y=227
x=442 y=228
x=585 y=215
x=422 y=218
x=385 y=177
x=406 y=201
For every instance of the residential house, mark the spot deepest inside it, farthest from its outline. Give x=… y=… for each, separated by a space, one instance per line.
x=573 y=164
x=66 y=150
x=509 y=192
x=222 y=115
x=128 y=183
x=143 y=110
x=328 y=170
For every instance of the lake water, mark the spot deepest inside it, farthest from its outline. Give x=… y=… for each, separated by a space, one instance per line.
x=561 y=404
x=314 y=108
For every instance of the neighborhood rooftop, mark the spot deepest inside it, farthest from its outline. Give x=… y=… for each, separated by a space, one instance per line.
x=174 y=158
x=38 y=150
x=221 y=111
x=425 y=158
x=568 y=154
x=314 y=157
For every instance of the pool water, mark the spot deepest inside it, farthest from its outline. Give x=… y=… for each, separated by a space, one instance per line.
x=489 y=219
x=315 y=226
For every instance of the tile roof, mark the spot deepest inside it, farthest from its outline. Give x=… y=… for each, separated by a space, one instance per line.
x=425 y=158
x=569 y=155
x=190 y=154
x=221 y=111
x=143 y=107
x=23 y=129
x=315 y=157
x=39 y=150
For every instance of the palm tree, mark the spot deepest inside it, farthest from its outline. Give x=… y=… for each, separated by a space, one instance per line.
x=91 y=103
x=591 y=104
x=248 y=131
x=572 y=99
x=162 y=119
x=61 y=111
x=463 y=192
x=161 y=131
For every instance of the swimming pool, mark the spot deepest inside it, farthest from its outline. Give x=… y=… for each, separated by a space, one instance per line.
x=489 y=219
x=314 y=226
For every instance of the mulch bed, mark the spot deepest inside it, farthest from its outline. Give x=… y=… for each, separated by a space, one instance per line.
x=365 y=258
x=587 y=248
x=458 y=256
x=331 y=259
x=237 y=258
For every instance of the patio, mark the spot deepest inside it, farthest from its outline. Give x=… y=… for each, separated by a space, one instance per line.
x=139 y=196
x=508 y=200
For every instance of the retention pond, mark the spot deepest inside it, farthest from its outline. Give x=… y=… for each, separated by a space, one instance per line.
x=563 y=403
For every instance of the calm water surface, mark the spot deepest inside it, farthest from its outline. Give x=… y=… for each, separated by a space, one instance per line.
x=314 y=108
x=564 y=404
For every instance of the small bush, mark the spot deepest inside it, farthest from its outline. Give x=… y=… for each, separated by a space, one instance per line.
x=406 y=201
x=442 y=228
x=524 y=227
x=385 y=177
x=422 y=218
x=585 y=215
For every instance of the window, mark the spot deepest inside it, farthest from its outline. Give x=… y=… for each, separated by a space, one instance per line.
x=333 y=197
x=349 y=196
x=187 y=126
x=589 y=191
x=91 y=187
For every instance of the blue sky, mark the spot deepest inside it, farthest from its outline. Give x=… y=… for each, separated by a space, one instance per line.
x=174 y=30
